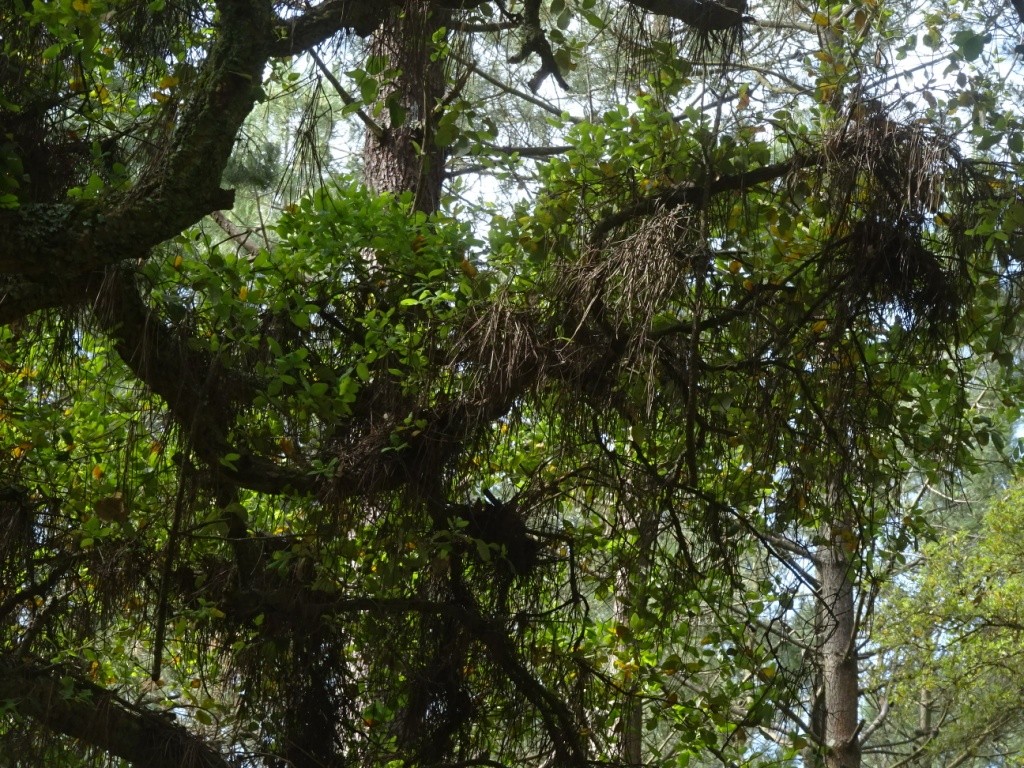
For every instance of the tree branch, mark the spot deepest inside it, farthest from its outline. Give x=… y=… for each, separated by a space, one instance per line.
x=194 y=385
x=558 y=720
x=537 y=102
x=297 y=35
x=241 y=236
x=181 y=184
x=691 y=193
x=20 y=298
x=703 y=15
x=346 y=97
x=69 y=705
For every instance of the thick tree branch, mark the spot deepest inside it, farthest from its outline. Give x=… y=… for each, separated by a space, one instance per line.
x=204 y=397
x=559 y=722
x=181 y=185
x=21 y=297
x=199 y=392
x=1018 y=6
x=703 y=15
x=82 y=710
x=690 y=193
x=296 y=35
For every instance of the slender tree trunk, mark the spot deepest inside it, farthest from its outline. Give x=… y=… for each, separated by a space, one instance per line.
x=924 y=728
x=406 y=158
x=837 y=643
x=632 y=714
x=630 y=580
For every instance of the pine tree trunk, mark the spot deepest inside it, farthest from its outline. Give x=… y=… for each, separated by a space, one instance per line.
x=837 y=643
x=406 y=158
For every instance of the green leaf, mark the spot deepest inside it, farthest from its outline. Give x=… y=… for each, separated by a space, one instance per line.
x=969 y=43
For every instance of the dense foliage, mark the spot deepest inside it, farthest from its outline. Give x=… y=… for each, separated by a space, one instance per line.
x=558 y=384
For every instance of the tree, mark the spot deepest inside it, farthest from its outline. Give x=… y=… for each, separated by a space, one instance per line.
x=375 y=492
x=948 y=678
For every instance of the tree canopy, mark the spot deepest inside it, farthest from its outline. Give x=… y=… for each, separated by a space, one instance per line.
x=488 y=384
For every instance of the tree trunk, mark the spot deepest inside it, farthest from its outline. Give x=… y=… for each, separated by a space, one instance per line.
x=632 y=576
x=837 y=643
x=631 y=718
x=405 y=157
x=924 y=728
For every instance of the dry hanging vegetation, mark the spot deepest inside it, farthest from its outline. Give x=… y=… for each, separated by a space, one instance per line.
x=380 y=493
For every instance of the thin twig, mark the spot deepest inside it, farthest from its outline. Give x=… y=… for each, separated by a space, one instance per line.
x=550 y=108
x=371 y=125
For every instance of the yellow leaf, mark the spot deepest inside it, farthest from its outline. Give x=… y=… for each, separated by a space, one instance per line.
x=97 y=472
x=177 y=261
x=820 y=327
x=735 y=266
x=748 y=285
x=167 y=82
x=160 y=97
x=82 y=6
x=21 y=449
x=243 y=293
x=820 y=19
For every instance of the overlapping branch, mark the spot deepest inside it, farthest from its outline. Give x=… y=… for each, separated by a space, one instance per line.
x=181 y=185
x=75 y=707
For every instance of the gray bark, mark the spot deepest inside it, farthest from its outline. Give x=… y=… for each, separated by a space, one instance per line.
x=837 y=643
